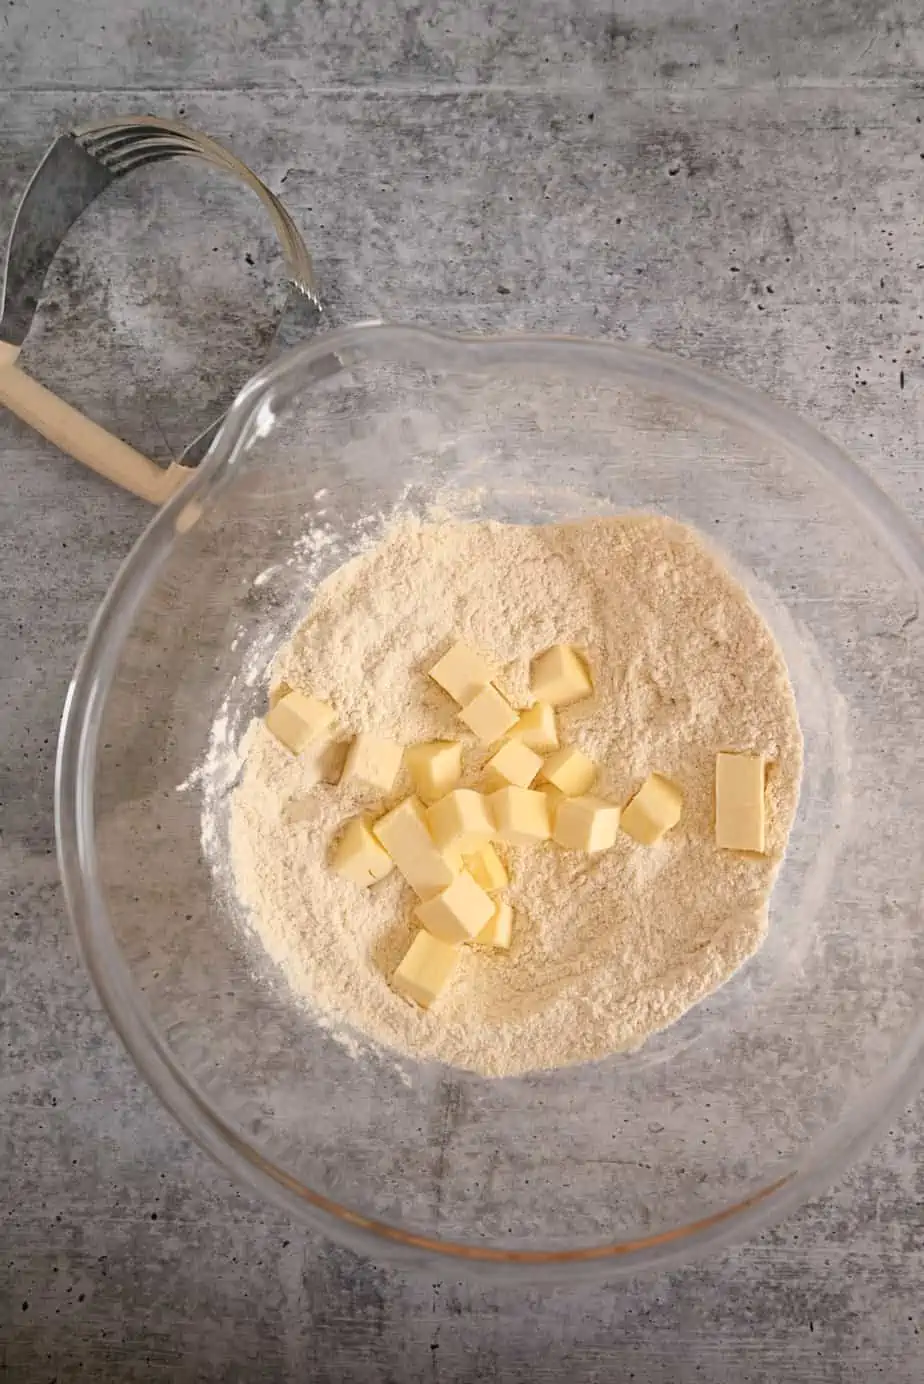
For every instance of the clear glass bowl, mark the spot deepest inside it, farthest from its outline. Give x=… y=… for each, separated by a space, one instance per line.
x=746 y=1106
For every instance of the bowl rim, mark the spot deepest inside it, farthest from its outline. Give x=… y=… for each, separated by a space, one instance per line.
x=74 y=817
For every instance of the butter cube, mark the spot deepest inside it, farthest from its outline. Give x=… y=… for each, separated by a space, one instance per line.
x=521 y=816
x=560 y=677
x=489 y=715
x=487 y=869
x=459 y=913
x=739 y=802
x=435 y=767
x=553 y=796
x=359 y=857
x=655 y=808
x=373 y=763
x=515 y=763
x=461 y=819
x=403 y=832
x=536 y=728
x=498 y=933
x=426 y=969
x=461 y=672
x=585 y=824
x=296 y=720
x=569 y=770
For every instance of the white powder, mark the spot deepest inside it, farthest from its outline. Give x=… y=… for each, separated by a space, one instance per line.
x=608 y=948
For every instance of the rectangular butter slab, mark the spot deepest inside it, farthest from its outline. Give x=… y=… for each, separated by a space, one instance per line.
x=740 y=813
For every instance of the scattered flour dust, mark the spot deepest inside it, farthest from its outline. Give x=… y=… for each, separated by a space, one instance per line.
x=608 y=948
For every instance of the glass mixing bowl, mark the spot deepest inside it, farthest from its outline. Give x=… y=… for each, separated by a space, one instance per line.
x=758 y=1095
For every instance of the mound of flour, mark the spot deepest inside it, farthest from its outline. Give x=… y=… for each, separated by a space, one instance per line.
x=607 y=948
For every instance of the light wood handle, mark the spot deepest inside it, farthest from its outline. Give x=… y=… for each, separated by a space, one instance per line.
x=81 y=438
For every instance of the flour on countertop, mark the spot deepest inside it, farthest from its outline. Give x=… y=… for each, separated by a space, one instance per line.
x=608 y=948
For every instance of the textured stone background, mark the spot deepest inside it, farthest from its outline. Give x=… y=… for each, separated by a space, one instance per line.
x=740 y=181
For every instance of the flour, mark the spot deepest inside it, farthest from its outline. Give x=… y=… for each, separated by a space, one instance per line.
x=608 y=948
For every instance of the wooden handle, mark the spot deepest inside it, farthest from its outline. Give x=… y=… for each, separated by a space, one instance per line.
x=81 y=438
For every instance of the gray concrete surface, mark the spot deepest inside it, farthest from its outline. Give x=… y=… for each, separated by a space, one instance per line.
x=739 y=182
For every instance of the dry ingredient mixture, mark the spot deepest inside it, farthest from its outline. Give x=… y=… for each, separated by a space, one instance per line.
x=607 y=948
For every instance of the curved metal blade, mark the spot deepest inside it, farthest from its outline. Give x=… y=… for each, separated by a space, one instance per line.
x=60 y=190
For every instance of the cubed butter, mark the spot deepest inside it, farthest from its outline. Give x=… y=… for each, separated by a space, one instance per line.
x=461 y=672
x=515 y=763
x=359 y=857
x=403 y=832
x=553 y=796
x=536 y=728
x=498 y=933
x=560 y=676
x=435 y=767
x=328 y=758
x=487 y=869
x=655 y=808
x=373 y=763
x=489 y=715
x=458 y=913
x=739 y=802
x=461 y=819
x=570 y=771
x=521 y=816
x=296 y=720
x=426 y=969
x=585 y=824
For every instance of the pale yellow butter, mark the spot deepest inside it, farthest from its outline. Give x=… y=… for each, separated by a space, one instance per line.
x=655 y=808
x=461 y=819
x=498 y=933
x=585 y=824
x=461 y=672
x=515 y=763
x=553 y=796
x=740 y=814
x=487 y=869
x=560 y=677
x=521 y=815
x=458 y=913
x=489 y=715
x=536 y=727
x=403 y=832
x=373 y=763
x=435 y=767
x=296 y=720
x=426 y=969
x=359 y=857
x=569 y=770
